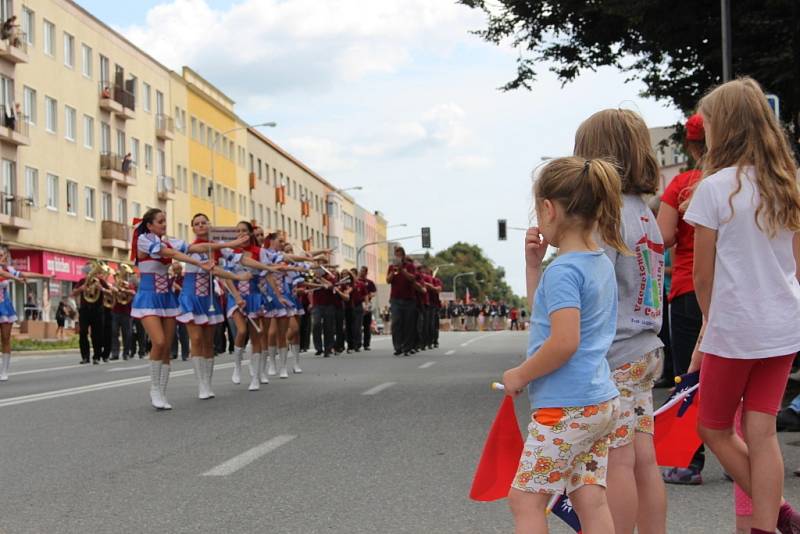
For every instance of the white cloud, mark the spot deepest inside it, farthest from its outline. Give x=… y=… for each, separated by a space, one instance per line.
x=468 y=162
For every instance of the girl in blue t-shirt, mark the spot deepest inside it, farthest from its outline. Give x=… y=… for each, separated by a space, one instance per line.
x=573 y=322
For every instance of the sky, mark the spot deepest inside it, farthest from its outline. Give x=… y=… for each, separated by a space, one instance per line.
x=396 y=96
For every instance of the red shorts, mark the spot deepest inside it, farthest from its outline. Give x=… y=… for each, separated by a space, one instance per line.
x=725 y=382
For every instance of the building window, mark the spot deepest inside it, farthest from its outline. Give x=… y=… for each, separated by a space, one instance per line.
x=52 y=192
x=105 y=206
x=29 y=104
x=121 y=143
x=195 y=184
x=194 y=128
x=148 y=158
x=134 y=151
x=88 y=202
x=122 y=210
x=49 y=38
x=72 y=197
x=50 y=113
x=203 y=188
x=146 y=95
x=69 y=51
x=161 y=162
x=136 y=208
x=252 y=209
x=70 y=119
x=88 y=131
x=105 y=69
x=105 y=138
x=32 y=185
x=28 y=24
x=202 y=134
x=86 y=60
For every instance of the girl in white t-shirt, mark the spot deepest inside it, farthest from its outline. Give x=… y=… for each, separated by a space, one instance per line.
x=746 y=214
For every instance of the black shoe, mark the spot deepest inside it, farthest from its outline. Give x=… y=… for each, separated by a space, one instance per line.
x=408 y=353
x=398 y=352
x=95 y=362
x=125 y=357
x=113 y=358
x=84 y=361
x=788 y=420
x=664 y=382
x=105 y=360
x=436 y=345
x=327 y=355
x=357 y=350
x=349 y=351
x=318 y=353
x=367 y=348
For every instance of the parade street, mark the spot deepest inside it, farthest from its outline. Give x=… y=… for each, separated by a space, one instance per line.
x=358 y=443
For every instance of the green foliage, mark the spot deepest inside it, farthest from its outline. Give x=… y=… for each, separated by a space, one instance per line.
x=22 y=345
x=674 y=47
x=488 y=281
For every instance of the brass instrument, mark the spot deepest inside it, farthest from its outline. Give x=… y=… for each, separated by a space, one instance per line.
x=93 y=286
x=122 y=284
x=108 y=294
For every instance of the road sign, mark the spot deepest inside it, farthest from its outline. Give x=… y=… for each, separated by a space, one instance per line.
x=502 y=231
x=426 y=237
x=775 y=104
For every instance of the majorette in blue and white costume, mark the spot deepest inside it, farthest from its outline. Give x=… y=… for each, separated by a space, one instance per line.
x=154 y=295
x=248 y=290
x=273 y=307
x=7 y=312
x=198 y=303
x=291 y=280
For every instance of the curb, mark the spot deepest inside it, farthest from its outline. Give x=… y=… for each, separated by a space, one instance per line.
x=52 y=352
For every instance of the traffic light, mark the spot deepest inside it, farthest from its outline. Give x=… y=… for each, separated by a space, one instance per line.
x=501 y=230
x=426 y=237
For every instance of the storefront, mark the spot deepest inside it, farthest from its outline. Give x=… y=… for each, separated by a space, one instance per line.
x=58 y=274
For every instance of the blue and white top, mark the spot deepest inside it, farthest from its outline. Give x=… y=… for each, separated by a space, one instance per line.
x=198 y=301
x=154 y=295
x=248 y=290
x=272 y=305
x=7 y=312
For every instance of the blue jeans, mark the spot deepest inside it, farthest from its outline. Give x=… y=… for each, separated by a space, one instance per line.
x=795 y=404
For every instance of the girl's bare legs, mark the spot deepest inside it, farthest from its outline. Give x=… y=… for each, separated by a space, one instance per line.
x=528 y=510
x=592 y=508
x=239 y=345
x=5 y=343
x=256 y=347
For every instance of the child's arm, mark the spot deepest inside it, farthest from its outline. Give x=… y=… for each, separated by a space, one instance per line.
x=535 y=249
x=705 y=253
x=565 y=337
x=697 y=356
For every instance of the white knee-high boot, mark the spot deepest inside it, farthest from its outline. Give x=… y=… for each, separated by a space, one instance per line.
x=162 y=383
x=237 y=365
x=209 y=363
x=283 y=355
x=200 y=374
x=155 y=385
x=295 y=350
x=255 y=371
x=271 y=364
x=4 y=366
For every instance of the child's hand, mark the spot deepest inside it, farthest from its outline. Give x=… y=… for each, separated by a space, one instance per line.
x=513 y=383
x=535 y=247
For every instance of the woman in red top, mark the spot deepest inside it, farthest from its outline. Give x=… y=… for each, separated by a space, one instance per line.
x=684 y=312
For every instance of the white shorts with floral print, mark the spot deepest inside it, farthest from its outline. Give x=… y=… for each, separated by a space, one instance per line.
x=635 y=384
x=566 y=448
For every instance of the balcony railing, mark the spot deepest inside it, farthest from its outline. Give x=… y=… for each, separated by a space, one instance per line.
x=166 y=187
x=115 y=234
x=15 y=128
x=14 y=46
x=115 y=98
x=165 y=127
x=15 y=206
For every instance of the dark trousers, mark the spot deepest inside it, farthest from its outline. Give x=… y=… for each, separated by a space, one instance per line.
x=223 y=337
x=105 y=332
x=305 y=330
x=685 y=321
x=139 y=344
x=355 y=326
x=366 y=324
x=120 y=325
x=348 y=331
x=90 y=324
x=404 y=324
x=339 y=328
x=664 y=335
x=323 y=327
x=182 y=336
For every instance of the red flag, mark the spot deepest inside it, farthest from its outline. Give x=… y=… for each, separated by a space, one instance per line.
x=676 y=438
x=500 y=457
x=467 y=298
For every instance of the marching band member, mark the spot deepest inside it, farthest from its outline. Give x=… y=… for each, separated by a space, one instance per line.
x=8 y=316
x=293 y=280
x=200 y=309
x=155 y=304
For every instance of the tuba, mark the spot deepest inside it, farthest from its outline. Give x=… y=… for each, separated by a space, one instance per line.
x=108 y=295
x=122 y=284
x=92 y=286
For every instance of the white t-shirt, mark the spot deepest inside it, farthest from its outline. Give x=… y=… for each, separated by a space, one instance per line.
x=755 y=299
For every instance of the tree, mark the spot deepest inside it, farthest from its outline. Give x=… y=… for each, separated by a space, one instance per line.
x=488 y=281
x=673 y=46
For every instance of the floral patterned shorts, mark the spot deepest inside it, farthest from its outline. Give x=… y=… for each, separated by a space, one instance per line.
x=566 y=448
x=635 y=384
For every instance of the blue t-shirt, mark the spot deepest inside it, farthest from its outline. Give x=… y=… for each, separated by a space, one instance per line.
x=586 y=281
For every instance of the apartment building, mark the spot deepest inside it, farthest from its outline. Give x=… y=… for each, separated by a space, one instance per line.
x=671 y=158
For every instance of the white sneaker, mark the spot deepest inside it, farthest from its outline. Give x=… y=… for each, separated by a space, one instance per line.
x=255 y=370
x=237 y=365
x=209 y=374
x=155 y=385
x=199 y=373
x=283 y=357
x=162 y=382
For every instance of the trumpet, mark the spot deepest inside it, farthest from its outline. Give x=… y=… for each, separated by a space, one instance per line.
x=122 y=284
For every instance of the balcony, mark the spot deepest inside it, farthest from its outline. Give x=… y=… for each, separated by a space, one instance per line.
x=165 y=127
x=166 y=188
x=115 y=168
x=14 y=47
x=15 y=211
x=14 y=130
x=115 y=235
x=117 y=100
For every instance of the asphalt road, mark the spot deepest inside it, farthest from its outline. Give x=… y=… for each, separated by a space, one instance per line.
x=83 y=452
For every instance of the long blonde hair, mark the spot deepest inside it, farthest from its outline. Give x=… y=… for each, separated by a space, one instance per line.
x=621 y=137
x=590 y=193
x=741 y=131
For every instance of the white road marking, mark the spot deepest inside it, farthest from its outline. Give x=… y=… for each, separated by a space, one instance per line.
x=380 y=387
x=248 y=457
x=426 y=365
x=46 y=370
x=474 y=339
x=25 y=399
x=449 y=352
x=133 y=368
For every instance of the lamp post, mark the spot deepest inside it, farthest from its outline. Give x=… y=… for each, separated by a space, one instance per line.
x=213 y=187
x=397 y=226
x=455 y=279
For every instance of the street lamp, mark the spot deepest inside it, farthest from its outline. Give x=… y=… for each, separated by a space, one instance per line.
x=213 y=187
x=397 y=226
x=455 y=279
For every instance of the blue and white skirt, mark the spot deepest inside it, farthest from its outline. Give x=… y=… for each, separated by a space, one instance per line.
x=154 y=297
x=7 y=312
x=197 y=302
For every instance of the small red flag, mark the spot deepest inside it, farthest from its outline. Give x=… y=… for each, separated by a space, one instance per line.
x=467 y=298
x=676 y=440
x=500 y=458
